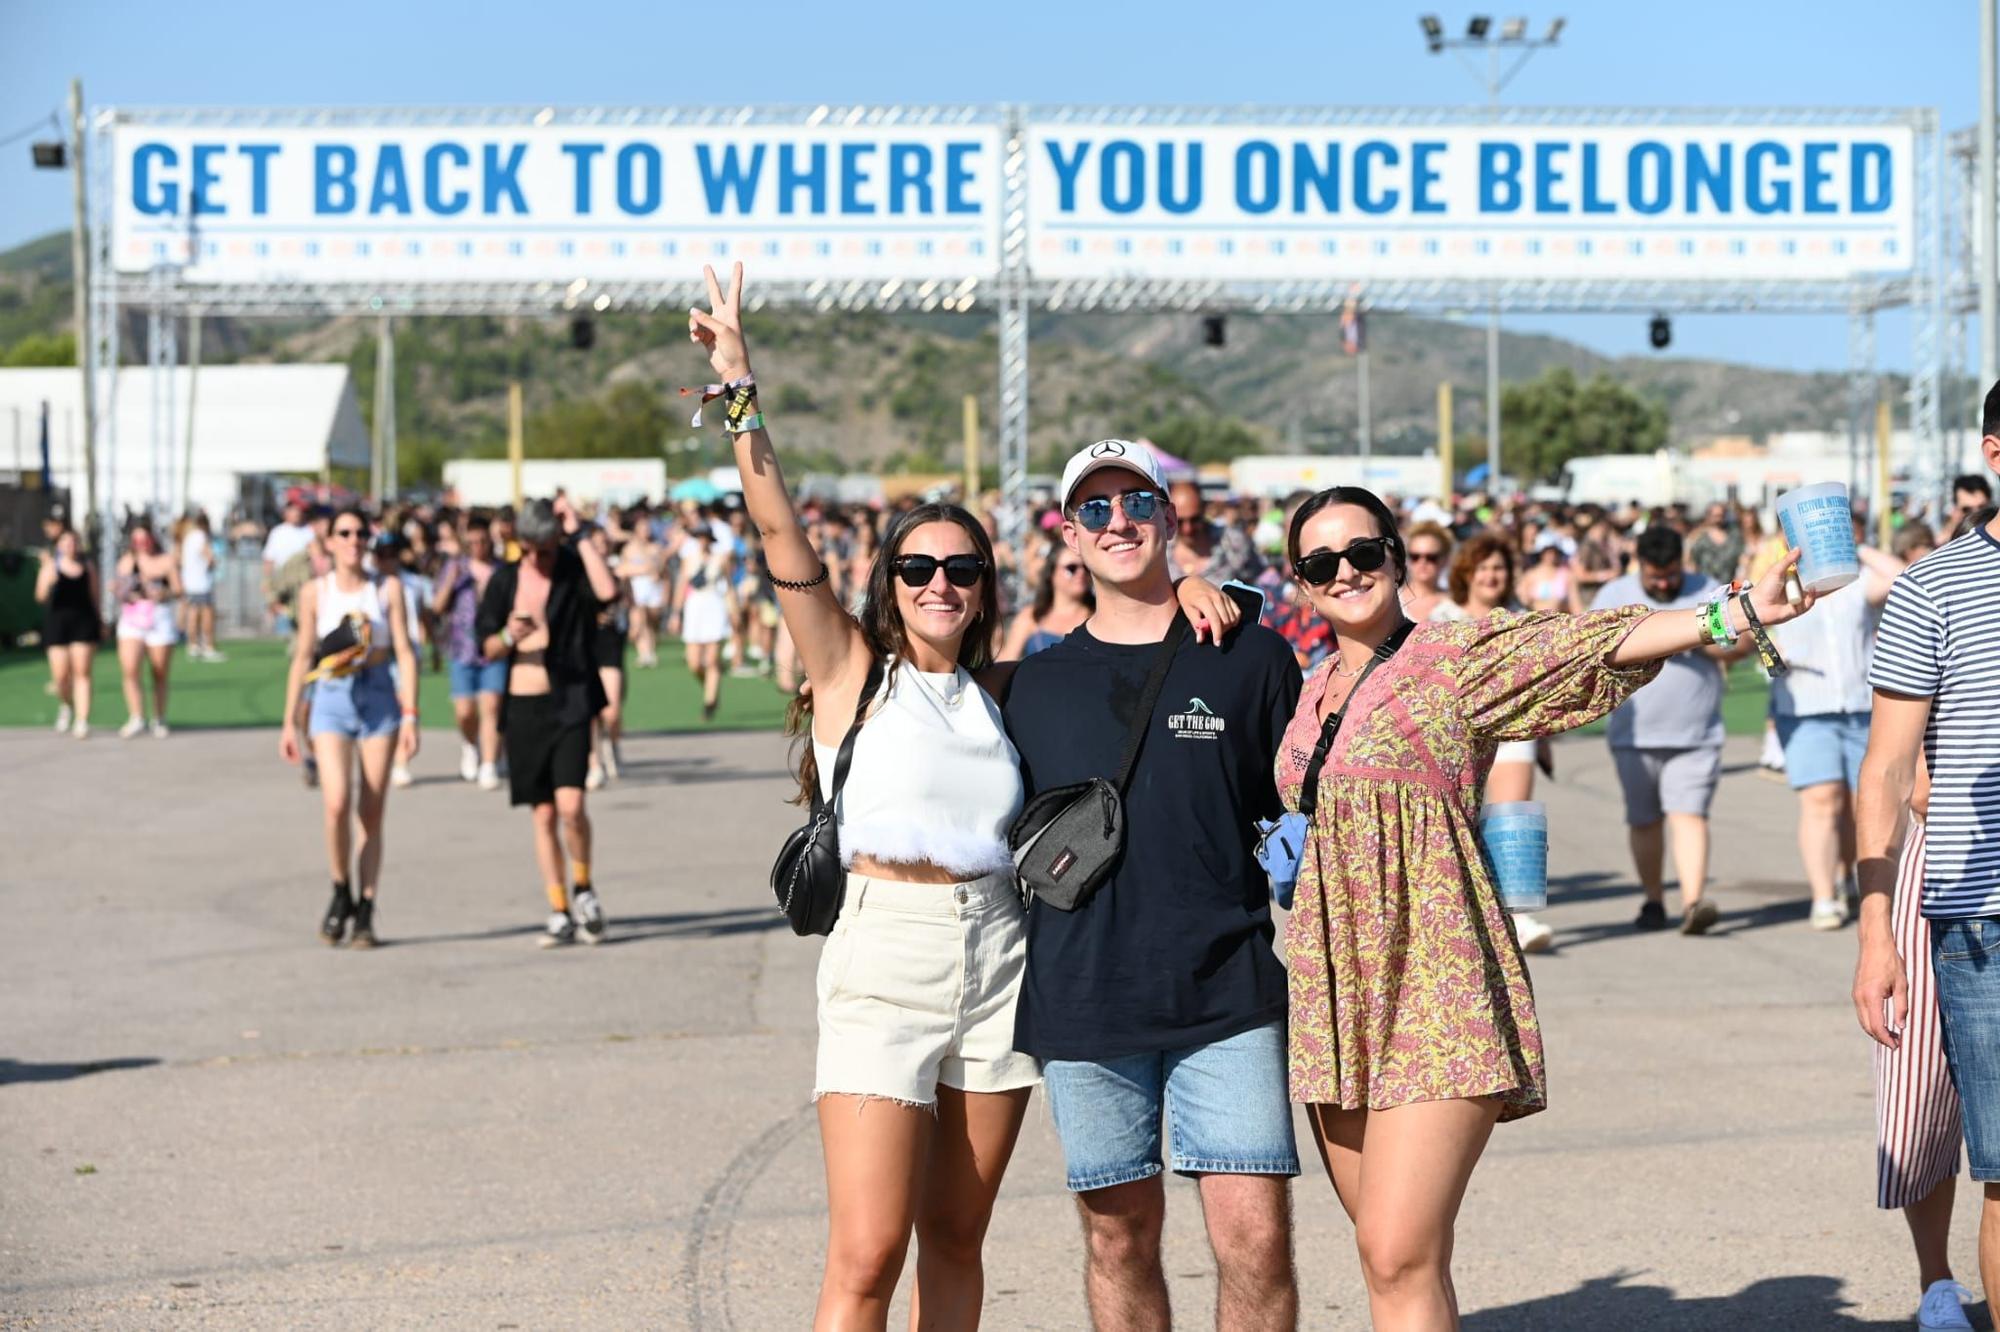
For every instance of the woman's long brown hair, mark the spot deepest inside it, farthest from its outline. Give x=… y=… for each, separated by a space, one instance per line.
x=886 y=634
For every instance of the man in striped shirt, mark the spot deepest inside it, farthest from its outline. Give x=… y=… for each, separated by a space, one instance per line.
x=1936 y=676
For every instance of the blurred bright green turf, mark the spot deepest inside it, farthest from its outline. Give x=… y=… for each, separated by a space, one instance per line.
x=249 y=690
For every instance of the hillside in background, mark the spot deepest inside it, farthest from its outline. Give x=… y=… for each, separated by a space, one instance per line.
x=883 y=392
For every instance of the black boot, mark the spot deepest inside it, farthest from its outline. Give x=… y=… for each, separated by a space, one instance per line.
x=364 y=924
x=334 y=926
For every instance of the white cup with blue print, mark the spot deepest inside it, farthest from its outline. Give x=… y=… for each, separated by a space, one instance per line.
x=1515 y=834
x=1819 y=520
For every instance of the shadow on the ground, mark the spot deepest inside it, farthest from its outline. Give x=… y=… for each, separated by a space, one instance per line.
x=1615 y=1301
x=690 y=771
x=626 y=929
x=14 y=1070
x=1597 y=886
x=694 y=925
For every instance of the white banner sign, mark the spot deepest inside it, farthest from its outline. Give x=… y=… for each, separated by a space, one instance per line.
x=555 y=202
x=1478 y=202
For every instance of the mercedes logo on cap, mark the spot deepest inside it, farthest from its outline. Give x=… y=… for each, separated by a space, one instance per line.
x=1109 y=448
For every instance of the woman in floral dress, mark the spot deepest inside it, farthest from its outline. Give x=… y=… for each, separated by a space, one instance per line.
x=1412 y=1022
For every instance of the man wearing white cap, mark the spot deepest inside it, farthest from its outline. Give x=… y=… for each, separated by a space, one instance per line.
x=1160 y=993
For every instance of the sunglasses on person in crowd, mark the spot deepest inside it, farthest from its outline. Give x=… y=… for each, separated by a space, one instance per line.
x=1140 y=506
x=1426 y=556
x=349 y=533
x=1069 y=570
x=1322 y=566
x=918 y=570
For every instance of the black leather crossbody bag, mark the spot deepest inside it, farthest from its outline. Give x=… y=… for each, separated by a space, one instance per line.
x=807 y=878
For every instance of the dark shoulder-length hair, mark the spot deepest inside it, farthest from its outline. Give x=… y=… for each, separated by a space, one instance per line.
x=1474 y=553
x=882 y=621
x=1045 y=586
x=1363 y=498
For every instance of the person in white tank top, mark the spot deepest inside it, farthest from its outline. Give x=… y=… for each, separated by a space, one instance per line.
x=360 y=710
x=920 y=1091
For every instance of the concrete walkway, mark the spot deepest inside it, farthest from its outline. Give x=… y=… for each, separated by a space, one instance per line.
x=208 y=1119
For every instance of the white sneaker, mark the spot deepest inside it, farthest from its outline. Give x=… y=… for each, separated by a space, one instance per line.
x=1773 y=756
x=81 y=730
x=489 y=777
x=589 y=913
x=132 y=727
x=1943 y=1305
x=1830 y=914
x=400 y=776
x=64 y=718
x=159 y=729
x=468 y=762
x=593 y=777
x=1535 y=937
x=559 y=931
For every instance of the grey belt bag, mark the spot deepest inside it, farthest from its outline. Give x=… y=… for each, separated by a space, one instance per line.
x=1067 y=840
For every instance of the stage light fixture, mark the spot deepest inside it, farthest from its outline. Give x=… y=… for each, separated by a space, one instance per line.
x=1660 y=333
x=1477 y=29
x=50 y=155
x=1555 y=30
x=1514 y=30
x=1214 y=330
x=1433 y=32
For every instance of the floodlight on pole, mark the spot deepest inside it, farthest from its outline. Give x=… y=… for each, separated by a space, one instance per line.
x=50 y=155
x=1479 y=35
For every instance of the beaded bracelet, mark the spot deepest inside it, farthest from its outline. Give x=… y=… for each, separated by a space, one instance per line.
x=808 y=585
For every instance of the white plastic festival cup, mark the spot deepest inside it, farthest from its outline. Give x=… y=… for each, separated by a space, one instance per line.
x=1819 y=521
x=1515 y=834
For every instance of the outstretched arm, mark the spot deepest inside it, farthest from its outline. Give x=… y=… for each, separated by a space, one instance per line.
x=1665 y=633
x=829 y=641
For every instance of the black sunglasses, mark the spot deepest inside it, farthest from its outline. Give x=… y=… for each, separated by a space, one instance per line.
x=1140 y=506
x=1322 y=566
x=918 y=570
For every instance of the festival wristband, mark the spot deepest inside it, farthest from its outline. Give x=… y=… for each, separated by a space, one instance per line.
x=710 y=392
x=1767 y=651
x=754 y=421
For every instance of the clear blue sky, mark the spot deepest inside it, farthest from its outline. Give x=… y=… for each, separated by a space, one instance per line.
x=583 y=52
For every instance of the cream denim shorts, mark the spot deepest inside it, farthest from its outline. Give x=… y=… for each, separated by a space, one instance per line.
x=917 y=986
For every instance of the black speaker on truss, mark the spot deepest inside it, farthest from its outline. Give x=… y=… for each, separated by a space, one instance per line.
x=1660 y=333
x=583 y=333
x=50 y=155
x=1214 y=330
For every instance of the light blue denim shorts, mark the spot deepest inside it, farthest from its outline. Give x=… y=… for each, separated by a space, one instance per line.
x=1226 y=1108
x=361 y=706
x=1965 y=958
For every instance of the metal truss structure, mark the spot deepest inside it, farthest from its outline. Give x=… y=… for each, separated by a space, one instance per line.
x=1937 y=283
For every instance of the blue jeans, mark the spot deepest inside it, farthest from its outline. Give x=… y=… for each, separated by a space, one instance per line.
x=361 y=706
x=1965 y=955
x=1226 y=1107
x=472 y=678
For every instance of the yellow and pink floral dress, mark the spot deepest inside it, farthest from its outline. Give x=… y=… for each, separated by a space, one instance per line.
x=1406 y=982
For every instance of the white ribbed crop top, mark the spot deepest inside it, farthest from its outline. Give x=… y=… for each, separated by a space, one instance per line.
x=934 y=777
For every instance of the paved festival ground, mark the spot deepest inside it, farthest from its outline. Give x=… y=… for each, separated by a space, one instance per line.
x=208 y=1119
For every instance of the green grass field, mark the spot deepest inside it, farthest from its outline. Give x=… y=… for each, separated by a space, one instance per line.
x=249 y=690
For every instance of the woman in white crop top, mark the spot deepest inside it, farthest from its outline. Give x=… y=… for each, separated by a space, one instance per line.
x=920 y=1091
x=359 y=707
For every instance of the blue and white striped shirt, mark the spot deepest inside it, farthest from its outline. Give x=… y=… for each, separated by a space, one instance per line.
x=1940 y=640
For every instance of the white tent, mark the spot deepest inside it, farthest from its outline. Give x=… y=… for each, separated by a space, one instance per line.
x=249 y=420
